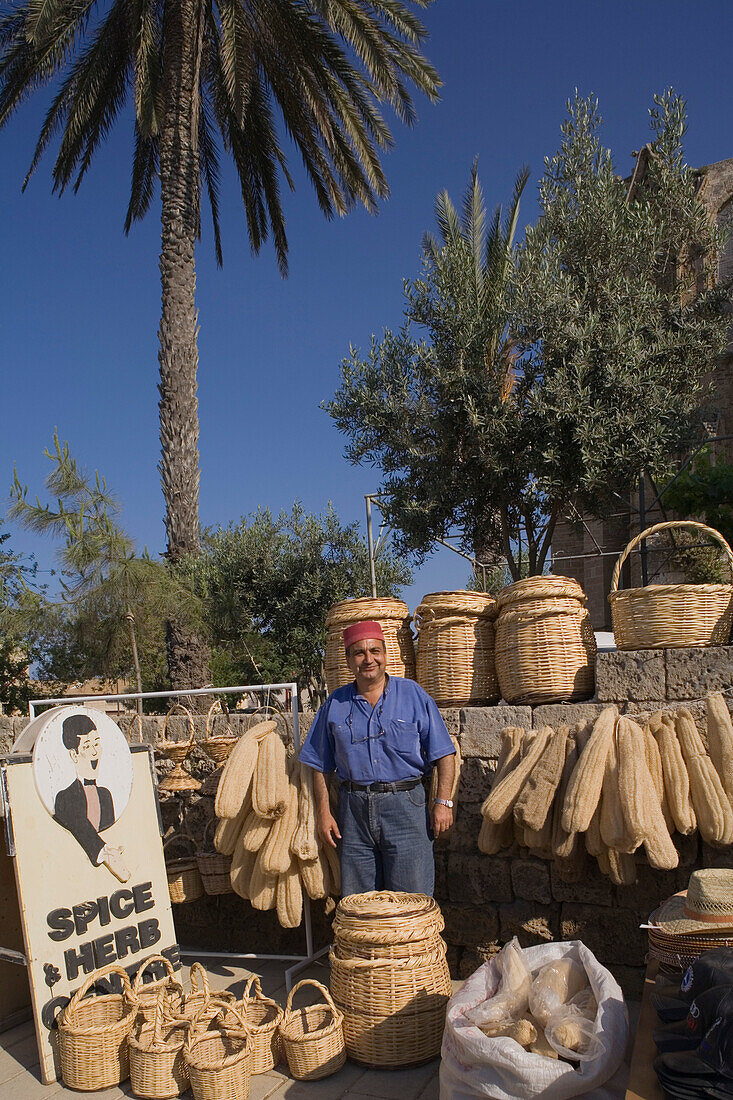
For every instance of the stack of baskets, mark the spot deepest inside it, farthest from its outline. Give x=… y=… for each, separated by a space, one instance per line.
x=545 y=645
x=455 y=650
x=394 y=618
x=671 y=615
x=389 y=977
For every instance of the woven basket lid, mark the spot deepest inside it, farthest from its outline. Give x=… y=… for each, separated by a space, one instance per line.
x=387 y=916
x=354 y=611
x=460 y=602
x=537 y=588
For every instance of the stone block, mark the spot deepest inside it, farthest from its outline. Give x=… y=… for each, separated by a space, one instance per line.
x=463 y=836
x=630 y=674
x=631 y=980
x=478 y=880
x=650 y=889
x=472 y=959
x=531 y=880
x=528 y=922
x=566 y=714
x=452 y=718
x=453 y=955
x=481 y=728
x=593 y=889
x=641 y=711
x=470 y=926
x=613 y=935
x=475 y=781
x=717 y=857
x=692 y=673
x=441 y=875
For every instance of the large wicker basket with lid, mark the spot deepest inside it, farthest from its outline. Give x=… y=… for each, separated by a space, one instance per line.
x=455 y=649
x=545 y=646
x=389 y=977
x=394 y=618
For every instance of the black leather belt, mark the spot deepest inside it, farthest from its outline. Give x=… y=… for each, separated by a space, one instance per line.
x=383 y=788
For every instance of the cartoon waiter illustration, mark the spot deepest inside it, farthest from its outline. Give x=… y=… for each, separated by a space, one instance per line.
x=85 y=808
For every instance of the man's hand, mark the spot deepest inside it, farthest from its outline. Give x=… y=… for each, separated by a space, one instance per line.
x=328 y=829
x=442 y=819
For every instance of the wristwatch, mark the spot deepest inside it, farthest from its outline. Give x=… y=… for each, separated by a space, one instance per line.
x=444 y=802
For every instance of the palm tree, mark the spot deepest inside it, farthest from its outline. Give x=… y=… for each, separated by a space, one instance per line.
x=207 y=76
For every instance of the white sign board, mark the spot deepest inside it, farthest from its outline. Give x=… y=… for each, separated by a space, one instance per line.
x=89 y=869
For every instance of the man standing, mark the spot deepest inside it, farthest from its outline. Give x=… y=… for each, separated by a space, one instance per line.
x=381 y=734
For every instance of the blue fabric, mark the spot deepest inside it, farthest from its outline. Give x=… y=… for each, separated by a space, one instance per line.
x=386 y=843
x=400 y=738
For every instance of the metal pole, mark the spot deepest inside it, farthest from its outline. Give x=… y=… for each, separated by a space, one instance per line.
x=370 y=545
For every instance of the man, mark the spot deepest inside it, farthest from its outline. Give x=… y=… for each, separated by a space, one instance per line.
x=84 y=808
x=381 y=735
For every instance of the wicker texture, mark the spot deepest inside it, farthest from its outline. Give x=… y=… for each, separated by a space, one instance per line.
x=313 y=1036
x=671 y=616
x=215 y=868
x=147 y=994
x=157 y=1066
x=545 y=645
x=94 y=1032
x=394 y=618
x=218 y=1060
x=184 y=877
x=455 y=650
x=680 y=951
x=263 y=1017
x=389 y=977
x=200 y=1004
x=177 y=780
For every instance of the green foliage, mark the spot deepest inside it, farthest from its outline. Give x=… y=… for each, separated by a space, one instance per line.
x=581 y=367
x=703 y=490
x=18 y=583
x=109 y=592
x=266 y=585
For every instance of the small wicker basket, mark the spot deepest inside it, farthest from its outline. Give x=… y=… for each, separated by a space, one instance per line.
x=671 y=616
x=200 y=1004
x=177 y=751
x=157 y=1066
x=455 y=649
x=394 y=618
x=313 y=1037
x=184 y=877
x=147 y=994
x=215 y=868
x=218 y=1060
x=263 y=1017
x=94 y=1033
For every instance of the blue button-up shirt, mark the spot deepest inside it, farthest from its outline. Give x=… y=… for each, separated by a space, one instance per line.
x=399 y=738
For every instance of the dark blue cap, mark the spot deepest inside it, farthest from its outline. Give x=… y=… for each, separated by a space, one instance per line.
x=712 y=968
x=700 y=1015
x=711 y=1063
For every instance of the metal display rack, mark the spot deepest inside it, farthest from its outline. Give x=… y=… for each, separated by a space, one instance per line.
x=300 y=962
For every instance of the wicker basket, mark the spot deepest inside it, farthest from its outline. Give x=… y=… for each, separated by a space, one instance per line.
x=390 y=978
x=214 y=867
x=184 y=877
x=263 y=1017
x=671 y=616
x=200 y=1004
x=394 y=619
x=545 y=645
x=94 y=1033
x=313 y=1037
x=219 y=1060
x=455 y=648
x=157 y=1066
x=178 y=779
x=147 y=994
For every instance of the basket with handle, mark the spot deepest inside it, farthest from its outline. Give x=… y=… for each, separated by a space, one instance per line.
x=545 y=645
x=313 y=1036
x=157 y=1066
x=263 y=1017
x=184 y=877
x=455 y=649
x=394 y=618
x=214 y=867
x=177 y=751
x=218 y=1060
x=94 y=1033
x=218 y=748
x=200 y=1004
x=148 y=993
x=671 y=616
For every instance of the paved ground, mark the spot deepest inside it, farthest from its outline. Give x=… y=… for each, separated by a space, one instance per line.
x=20 y=1078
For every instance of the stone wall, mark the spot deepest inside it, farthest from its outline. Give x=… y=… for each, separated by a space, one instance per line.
x=488 y=899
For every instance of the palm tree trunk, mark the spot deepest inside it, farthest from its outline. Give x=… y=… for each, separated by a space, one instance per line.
x=188 y=654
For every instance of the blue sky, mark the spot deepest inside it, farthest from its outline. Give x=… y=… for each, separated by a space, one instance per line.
x=80 y=302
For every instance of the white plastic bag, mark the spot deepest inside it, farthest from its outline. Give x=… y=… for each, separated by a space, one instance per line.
x=474 y=1065
x=510 y=1000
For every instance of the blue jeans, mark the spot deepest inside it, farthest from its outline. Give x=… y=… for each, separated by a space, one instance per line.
x=386 y=841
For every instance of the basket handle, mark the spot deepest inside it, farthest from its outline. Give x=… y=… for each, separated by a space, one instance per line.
x=254 y=983
x=111 y=968
x=207 y=833
x=153 y=959
x=321 y=988
x=691 y=523
x=189 y=719
x=210 y=716
x=273 y=705
x=197 y=971
x=135 y=718
x=192 y=842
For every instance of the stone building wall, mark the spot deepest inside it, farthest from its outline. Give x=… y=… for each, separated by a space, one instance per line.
x=488 y=899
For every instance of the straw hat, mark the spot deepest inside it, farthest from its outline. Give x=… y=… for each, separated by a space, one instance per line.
x=706 y=906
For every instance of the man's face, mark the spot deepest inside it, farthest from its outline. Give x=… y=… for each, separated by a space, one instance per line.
x=86 y=757
x=367 y=660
